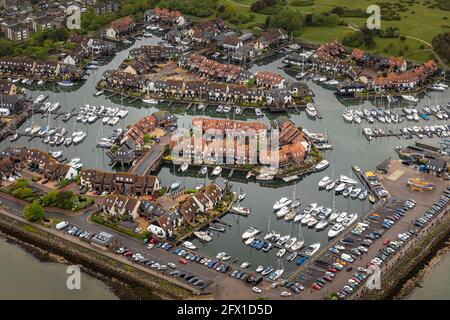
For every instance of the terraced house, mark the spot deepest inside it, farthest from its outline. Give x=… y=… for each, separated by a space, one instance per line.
x=120 y=28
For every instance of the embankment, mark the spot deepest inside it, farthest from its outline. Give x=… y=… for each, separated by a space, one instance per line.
x=126 y=281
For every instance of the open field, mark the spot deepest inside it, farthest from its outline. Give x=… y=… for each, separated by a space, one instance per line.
x=419 y=23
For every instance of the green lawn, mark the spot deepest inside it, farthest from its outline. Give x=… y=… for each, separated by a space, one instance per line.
x=419 y=21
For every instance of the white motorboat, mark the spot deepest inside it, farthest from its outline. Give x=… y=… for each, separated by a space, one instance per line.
x=245 y=265
x=306 y=219
x=347 y=191
x=290 y=242
x=203 y=235
x=217 y=170
x=335 y=230
x=298 y=245
x=325 y=181
x=296 y=203
x=341 y=217
x=281 y=253
x=175 y=185
x=311 y=110
x=333 y=216
x=204 y=170
x=241 y=196
x=250 y=233
x=282 y=240
x=355 y=192
x=264 y=177
x=259 y=269
x=56 y=154
x=276 y=274
x=283 y=202
x=189 y=245
x=282 y=212
x=346 y=179
x=241 y=210
x=184 y=167
x=312 y=249
x=219 y=108
x=299 y=217
x=150 y=101
x=312 y=222
x=350 y=219
x=331 y=185
x=249 y=241
x=347 y=116
x=310 y=207
x=322 y=165
x=321 y=225
x=79 y=138
x=410 y=98
x=258 y=112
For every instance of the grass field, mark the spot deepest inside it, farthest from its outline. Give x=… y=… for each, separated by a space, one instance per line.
x=419 y=23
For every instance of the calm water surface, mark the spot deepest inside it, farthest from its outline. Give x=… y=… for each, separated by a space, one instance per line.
x=349 y=148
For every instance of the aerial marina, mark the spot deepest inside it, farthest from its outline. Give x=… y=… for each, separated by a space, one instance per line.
x=348 y=192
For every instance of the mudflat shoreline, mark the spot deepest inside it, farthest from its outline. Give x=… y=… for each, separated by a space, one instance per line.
x=124 y=280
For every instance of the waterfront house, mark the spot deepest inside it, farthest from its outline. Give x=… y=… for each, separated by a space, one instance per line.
x=7 y=88
x=120 y=28
x=98 y=181
x=108 y=182
x=123 y=182
x=169 y=221
x=189 y=210
x=140 y=65
x=132 y=207
x=87 y=178
x=7 y=168
x=124 y=80
x=11 y=104
x=47 y=69
x=16 y=66
x=119 y=205
x=350 y=87
x=165 y=16
x=397 y=64
x=134 y=137
x=272 y=38
x=108 y=204
x=270 y=79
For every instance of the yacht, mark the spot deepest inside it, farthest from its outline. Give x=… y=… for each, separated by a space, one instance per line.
x=245 y=265
x=348 y=221
x=226 y=109
x=56 y=154
x=241 y=196
x=241 y=210
x=347 y=191
x=306 y=219
x=322 y=165
x=325 y=181
x=199 y=186
x=264 y=177
x=282 y=212
x=204 y=170
x=312 y=249
x=150 y=101
x=355 y=192
x=249 y=241
x=299 y=217
x=290 y=215
x=330 y=186
x=334 y=215
x=312 y=222
x=347 y=116
x=298 y=245
x=175 y=185
x=321 y=225
x=217 y=170
x=267 y=270
x=341 y=217
x=309 y=208
x=250 y=233
x=311 y=110
x=259 y=269
x=410 y=98
x=296 y=203
x=335 y=230
x=68 y=141
x=184 y=167
x=238 y=110
x=282 y=240
x=283 y=202
x=66 y=83
x=258 y=112
x=79 y=137
x=189 y=245
x=346 y=179
x=292 y=256
x=201 y=106
x=219 y=108
x=281 y=253
x=98 y=93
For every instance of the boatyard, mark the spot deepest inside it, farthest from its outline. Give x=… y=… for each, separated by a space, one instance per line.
x=327 y=222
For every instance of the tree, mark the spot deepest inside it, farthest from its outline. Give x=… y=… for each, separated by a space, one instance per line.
x=50 y=198
x=64 y=200
x=286 y=19
x=33 y=212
